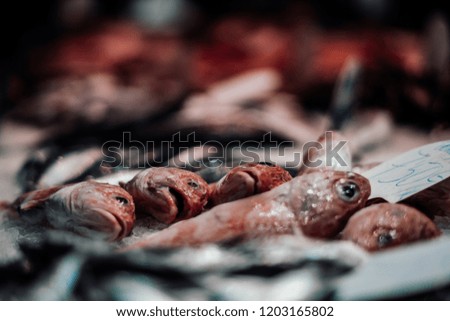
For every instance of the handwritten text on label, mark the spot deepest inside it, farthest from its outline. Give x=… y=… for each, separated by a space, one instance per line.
x=410 y=172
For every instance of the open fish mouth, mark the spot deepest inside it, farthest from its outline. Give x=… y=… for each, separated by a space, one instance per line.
x=124 y=228
x=120 y=227
x=237 y=185
x=251 y=181
x=180 y=201
x=170 y=205
x=247 y=180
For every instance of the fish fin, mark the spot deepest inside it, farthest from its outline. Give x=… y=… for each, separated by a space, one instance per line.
x=32 y=211
x=31 y=205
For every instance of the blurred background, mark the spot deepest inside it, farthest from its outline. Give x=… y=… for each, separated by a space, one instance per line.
x=79 y=73
x=176 y=47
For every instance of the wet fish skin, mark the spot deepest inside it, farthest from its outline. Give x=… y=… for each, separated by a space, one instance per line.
x=52 y=166
x=34 y=167
x=246 y=180
x=433 y=201
x=70 y=166
x=317 y=204
x=92 y=209
x=385 y=225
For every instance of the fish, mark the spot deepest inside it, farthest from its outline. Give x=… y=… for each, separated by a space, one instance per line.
x=168 y=194
x=57 y=165
x=316 y=204
x=58 y=281
x=70 y=166
x=433 y=201
x=118 y=177
x=91 y=209
x=33 y=168
x=51 y=166
x=385 y=225
x=246 y=180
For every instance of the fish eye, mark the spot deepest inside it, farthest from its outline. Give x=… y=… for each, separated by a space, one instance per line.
x=193 y=184
x=385 y=239
x=121 y=200
x=347 y=191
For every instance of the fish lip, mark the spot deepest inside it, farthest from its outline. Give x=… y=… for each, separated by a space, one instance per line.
x=183 y=203
x=123 y=227
x=158 y=203
x=252 y=173
x=224 y=196
x=180 y=202
x=114 y=218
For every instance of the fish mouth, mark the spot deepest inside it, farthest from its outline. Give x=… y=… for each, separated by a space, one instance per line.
x=180 y=201
x=124 y=230
x=115 y=233
x=241 y=184
x=252 y=177
x=164 y=204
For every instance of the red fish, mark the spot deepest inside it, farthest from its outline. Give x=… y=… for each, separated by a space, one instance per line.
x=385 y=225
x=95 y=210
x=168 y=194
x=246 y=180
x=317 y=204
x=433 y=201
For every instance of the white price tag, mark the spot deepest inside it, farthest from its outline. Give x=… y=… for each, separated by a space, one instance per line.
x=411 y=172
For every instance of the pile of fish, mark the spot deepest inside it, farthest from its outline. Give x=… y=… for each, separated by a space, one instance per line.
x=254 y=225
x=250 y=200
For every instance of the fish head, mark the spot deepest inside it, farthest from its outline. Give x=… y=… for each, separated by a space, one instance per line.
x=248 y=179
x=168 y=194
x=263 y=176
x=323 y=201
x=385 y=225
x=96 y=210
